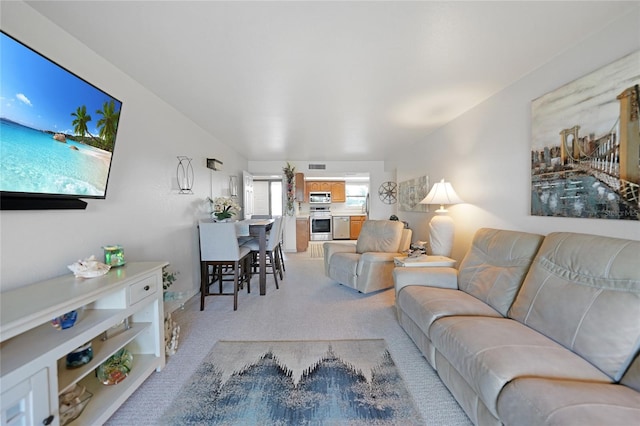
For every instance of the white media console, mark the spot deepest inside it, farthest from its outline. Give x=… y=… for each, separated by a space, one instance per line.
x=33 y=370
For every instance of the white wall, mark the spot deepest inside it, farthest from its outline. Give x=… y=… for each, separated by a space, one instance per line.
x=485 y=153
x=142 y=211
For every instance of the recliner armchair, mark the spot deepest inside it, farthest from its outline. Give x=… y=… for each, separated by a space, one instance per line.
x=368 y=265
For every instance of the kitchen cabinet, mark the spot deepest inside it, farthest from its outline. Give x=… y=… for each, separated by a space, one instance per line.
x=126 y=303
x=336 y=188
x=356 y=226
x=310 y=186
x=302 y=234
x=338 y=192
x=300 y=188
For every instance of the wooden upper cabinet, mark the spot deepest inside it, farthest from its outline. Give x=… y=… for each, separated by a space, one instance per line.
x=310 y=186
x=336 y=188
x=300 y=188
x=338 y=192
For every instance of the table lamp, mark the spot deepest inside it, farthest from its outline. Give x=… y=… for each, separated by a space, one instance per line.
x=441 y=226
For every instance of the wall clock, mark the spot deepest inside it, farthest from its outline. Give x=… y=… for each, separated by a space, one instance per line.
x=388 y=192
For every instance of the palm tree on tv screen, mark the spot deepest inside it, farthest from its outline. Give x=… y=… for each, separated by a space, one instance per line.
x=80 y=121
x=108 y=124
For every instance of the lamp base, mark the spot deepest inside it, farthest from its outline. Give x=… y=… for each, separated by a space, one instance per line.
x=441 y=229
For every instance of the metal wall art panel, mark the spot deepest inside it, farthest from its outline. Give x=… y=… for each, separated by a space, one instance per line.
x=585 y=148
x=411 y=192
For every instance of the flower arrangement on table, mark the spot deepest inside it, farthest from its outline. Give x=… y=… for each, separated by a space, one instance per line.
x=224 y=207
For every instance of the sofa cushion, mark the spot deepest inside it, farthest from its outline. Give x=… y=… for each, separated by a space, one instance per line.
x=536 y=401
x=583 y=291
x=380 y=235
x=490 y=352
x=424 y=305
x=495 y=266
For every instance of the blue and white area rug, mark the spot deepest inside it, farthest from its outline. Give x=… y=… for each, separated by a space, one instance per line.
x=337 y=382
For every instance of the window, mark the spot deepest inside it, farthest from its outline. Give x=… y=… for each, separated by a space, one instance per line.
x=356 y=194
x=267 y=197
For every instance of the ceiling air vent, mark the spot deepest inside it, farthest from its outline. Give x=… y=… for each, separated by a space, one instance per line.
x=317 y=166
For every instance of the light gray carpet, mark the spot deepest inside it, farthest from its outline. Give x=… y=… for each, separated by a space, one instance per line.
x=308 y=306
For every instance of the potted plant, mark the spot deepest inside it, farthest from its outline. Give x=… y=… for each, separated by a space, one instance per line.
x=168 y=277
x=223 y=208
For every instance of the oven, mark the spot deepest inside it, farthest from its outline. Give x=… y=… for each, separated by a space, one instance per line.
x=320 y=223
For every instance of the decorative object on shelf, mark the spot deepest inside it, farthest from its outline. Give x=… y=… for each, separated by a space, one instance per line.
x=419 y=248
x=410 y=192
x=114 y=255
x=116 y=329
x=214 y=164
x=290 y=173
x=89 y=268
x=223 y=207
x=233 y=186
x=116 y=368
x=65 y=321
x=441 y=226
x=388 y=192
x=168 y=277
x=184 y=175
x=171 y=335
x=80 y=356
x=72 y=403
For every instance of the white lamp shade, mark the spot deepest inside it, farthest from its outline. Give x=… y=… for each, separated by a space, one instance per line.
x=442 y=193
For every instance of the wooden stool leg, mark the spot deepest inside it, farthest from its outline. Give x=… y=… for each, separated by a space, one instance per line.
x=204 y=279
x=271 y=256
x=236 y=274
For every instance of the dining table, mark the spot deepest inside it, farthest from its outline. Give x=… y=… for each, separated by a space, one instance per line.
x=257 y=228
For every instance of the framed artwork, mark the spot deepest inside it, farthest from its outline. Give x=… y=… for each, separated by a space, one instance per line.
x=585 y=146
x=411 y=192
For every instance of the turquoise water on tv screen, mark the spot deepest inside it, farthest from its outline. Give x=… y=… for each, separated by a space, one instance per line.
x=32 y=161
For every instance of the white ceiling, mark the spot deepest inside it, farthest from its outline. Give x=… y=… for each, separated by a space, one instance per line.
x=323 y=81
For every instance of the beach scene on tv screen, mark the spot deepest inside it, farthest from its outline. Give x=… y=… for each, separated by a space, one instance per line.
x=57 y=131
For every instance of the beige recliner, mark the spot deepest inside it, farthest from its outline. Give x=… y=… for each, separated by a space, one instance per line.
x=368 y=265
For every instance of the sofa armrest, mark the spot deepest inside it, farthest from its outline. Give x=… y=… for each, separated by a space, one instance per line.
x=330 y=248
x=378 y=256
x=442 y=277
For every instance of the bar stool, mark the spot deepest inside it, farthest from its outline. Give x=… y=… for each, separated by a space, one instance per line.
x=220 y=258
x=273 y=240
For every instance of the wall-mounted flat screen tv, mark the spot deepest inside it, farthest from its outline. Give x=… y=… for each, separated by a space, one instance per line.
x=57 y=131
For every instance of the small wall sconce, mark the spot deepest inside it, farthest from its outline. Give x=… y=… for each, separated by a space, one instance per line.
x=214 y=164
x=233 y=186
x=184 y=175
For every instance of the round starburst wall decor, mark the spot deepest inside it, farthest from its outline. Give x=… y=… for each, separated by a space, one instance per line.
x=388 y=192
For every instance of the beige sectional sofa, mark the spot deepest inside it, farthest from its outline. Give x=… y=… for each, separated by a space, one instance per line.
x=532 y=330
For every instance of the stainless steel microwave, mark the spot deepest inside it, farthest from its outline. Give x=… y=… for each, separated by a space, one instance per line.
x=319 y=197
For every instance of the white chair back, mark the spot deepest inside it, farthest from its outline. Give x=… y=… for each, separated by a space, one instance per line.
x=218 y=241
x=274 y=233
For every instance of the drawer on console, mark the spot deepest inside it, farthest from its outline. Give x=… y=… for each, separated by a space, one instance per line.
x=142 y=289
